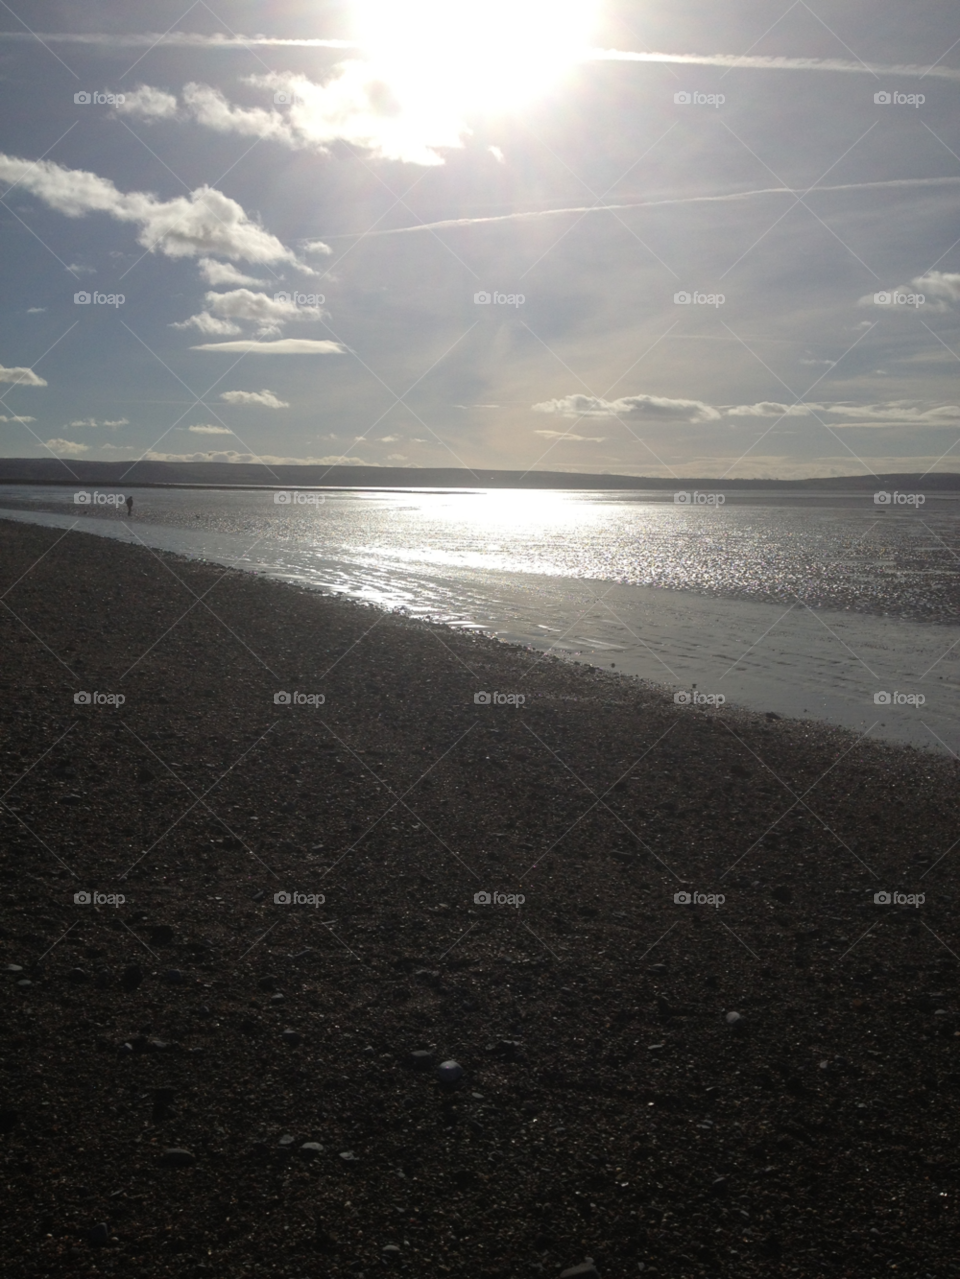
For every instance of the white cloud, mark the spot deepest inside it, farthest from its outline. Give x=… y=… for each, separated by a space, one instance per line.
x=35 y=310
x=940 y=291
x=769 y=408
x=316 y=246
x=220 y=273
x=355 y=105
x=386 y=439
x=21 y=377
x=92 y=422
x=285 y=346
x=208 y=324
x=230 y=455
x=4 y=418
x=567 y=435
x=497 y=154
x=153 y=104
x=205 y=222
x=266 y=399
x=67 y=448
x=656 y=407
x=266 y=312
x=210 y=430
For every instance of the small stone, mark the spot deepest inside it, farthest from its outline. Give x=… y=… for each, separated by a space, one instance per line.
x=657 y=968
x=449 y=1073
x=157 y=1045
x=78 y=976
x=13 y=968
x=71 y=801
x=733 y=1018
x=292 y=1037
x=277 y=998
x=259 y=895
x=98 y=1235
x=25 y=981
x=391 y=1248
x=311 y=1149
x=720 y=1186
x=348 y=1157
x=421 y=1059
x=176 y=1157
x=161 y=934
x=286 y=1141
x=267 y=983
x=174 y=977
x=132 y=977
x=585 y=1268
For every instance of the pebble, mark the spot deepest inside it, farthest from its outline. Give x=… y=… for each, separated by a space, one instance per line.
x=13 y=968
x=449 y=1072
x=657 y=968
x=310 y=1149
x=98 y=1235
x=421 y=1059
x=176 y=1157
x=161 y=934
x=78 y=976
x=132 y=977
x=291 y=1037
x=348 y=1157
x=173 y=976
x=286 y=1141
x=732 y=1018
x=585 y=1268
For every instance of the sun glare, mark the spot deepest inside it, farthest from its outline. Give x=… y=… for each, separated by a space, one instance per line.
x=473 y=55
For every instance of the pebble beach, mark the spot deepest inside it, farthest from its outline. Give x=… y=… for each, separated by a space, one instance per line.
x=315 y=964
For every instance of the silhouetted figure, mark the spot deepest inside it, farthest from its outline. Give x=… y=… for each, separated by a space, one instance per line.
x=129 y=505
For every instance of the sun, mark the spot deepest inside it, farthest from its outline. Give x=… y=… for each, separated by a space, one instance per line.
x=472 y=56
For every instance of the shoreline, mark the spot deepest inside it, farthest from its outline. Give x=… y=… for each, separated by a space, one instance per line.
x=669 y=638
x=609 y=1107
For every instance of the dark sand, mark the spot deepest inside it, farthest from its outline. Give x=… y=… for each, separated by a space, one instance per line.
x=607 y=1110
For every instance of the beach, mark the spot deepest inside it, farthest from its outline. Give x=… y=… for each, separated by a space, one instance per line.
x=202 y=1079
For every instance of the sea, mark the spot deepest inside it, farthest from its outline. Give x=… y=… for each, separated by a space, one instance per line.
x=813 y=606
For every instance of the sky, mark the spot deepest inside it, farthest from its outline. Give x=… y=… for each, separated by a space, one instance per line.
x=555 y=235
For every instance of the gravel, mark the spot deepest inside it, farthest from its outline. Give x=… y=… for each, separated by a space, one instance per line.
x=571 y=1138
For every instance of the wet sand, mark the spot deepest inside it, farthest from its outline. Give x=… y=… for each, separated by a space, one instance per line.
x=610 y=1106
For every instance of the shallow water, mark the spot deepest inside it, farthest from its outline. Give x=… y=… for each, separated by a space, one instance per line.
x=803 y=605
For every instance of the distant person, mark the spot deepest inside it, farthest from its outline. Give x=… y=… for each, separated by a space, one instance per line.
x=129 y=505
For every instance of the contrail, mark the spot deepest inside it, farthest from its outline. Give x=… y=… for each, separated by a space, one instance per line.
x=776 y=64
x=646 y=204
x=189 y=39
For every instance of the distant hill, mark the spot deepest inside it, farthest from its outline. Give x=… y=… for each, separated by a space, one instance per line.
x=43 y=470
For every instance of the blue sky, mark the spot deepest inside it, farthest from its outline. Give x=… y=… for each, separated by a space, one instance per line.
x=303 y=228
